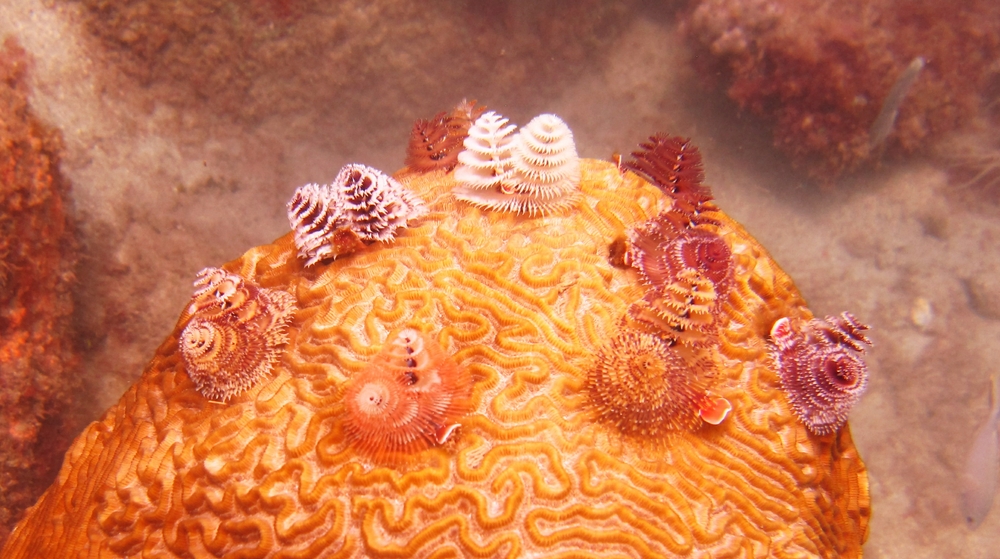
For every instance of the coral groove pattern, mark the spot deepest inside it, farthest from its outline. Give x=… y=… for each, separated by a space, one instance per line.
x=524 y=306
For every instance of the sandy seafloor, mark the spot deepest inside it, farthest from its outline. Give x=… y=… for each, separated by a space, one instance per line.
x=160 y=192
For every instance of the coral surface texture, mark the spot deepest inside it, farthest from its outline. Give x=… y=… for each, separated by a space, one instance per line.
x=527 y=463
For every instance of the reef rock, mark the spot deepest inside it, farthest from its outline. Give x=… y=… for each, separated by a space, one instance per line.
x=824 y=72
x=491 y=328
x=37 y=245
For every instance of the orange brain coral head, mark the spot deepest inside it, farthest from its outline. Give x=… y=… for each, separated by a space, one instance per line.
x=235 y=333
x=645 y=387
x=340 y=454
x=409 y=398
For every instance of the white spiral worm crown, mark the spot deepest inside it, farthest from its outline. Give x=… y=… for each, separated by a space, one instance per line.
x=535 y=171
x=361 y=205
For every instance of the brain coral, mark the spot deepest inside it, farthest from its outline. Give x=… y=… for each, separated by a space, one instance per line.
x=522 y=305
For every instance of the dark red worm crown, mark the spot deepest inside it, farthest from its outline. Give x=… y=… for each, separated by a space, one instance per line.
x=436 y=143
x=673 y=164
x=688 y=271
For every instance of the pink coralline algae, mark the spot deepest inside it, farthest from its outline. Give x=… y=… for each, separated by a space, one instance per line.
x=361 y=206
x=821 y=369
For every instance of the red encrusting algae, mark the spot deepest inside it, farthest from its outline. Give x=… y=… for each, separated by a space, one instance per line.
x=821 y=71
x=37 y=248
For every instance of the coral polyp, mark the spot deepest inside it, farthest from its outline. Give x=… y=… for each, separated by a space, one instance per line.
x=234 y=335
x=410 y=397
x=821 y=370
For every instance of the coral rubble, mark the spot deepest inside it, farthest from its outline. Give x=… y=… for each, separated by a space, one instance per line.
x=37 y=256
